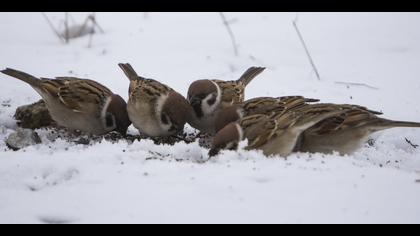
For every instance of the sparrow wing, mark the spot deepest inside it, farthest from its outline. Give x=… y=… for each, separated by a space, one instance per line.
x=258 y=130
x=232 y=92
x=270 y=105
x=82 y=95
x=351 y=117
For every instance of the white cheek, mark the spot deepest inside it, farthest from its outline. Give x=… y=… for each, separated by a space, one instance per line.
x=206 y=108
x=210 y=109
x=103 y=115
x=105 y=108
x=159 y=107
x=240 y=132
x=231 y=145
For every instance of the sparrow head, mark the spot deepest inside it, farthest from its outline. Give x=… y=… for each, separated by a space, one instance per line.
x=116 y=115
x=228 y=115
x=227 y=138
x=204 y=97
x=175 y=113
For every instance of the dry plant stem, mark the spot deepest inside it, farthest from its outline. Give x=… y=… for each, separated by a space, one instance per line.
x=66 y=26
x=83 y=26
x=357 y=84
x=52 y=27
x=90 y=39
x=409 y=142
x=95 y=23
x=72 y=19
x=306 y=49
x=232 y=36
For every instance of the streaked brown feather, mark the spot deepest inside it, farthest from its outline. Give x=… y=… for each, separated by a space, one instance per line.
x=74 y=92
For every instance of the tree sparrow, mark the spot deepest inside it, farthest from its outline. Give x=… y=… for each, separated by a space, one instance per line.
x=79 y=104
x=260 y=105
x=208 y=97
x=154 y=108
x=274 y=135
x=347 y=131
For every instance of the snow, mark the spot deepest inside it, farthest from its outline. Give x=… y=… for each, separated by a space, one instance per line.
x=62 y=182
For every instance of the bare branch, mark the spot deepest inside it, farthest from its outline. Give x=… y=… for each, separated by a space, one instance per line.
x=409 y=142
x=95 y=23
x=73 y=21
x=66 y=27
x=357 y=84
x=90 y=39
x=305 y=47
x=83 y=27
x=232 y=36
x=52 y=27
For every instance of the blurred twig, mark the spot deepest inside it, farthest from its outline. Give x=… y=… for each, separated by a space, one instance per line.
x=357 y=84
x=95 y=23
x=232 y=36
x=66 y=27
x=409 y=142
x=306 y=48
x=52 y=27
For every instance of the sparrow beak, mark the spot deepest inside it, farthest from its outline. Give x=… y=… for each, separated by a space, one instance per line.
x=214 y=152
x=195 y=101
x=122 y=131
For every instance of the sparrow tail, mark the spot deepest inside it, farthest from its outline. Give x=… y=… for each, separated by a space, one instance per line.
x=311 y=100
x=387 y=124
x=307 y=121
x=250 y=74
x=30 y=79
x=129 y=71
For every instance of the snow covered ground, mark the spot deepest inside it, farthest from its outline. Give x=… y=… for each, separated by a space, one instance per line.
x=61 y=182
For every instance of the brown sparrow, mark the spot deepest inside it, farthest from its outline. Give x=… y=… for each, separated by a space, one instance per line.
x=274 y=135
x=208 y=97
x=260 y=105
x=154 y=108
x=347 y=131
x=79 y=104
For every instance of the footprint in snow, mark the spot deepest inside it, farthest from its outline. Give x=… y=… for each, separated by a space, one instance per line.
x=52 y=178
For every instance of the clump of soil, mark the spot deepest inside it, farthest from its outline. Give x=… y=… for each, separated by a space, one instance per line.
x=34 y=116
x=115 y=137
x=22 y=138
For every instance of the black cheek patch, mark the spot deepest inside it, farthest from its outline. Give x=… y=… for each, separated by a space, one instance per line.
x=173 y=128
x=109 y=120
x=164 y=119
x=198 y=111
x=211 y=101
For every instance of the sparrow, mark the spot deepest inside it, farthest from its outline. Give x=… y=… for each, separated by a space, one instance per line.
x=208 y=97
x=79 y=104
x=346 y=132
x=275 y=134
x=259 y=105
x=155 y=109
